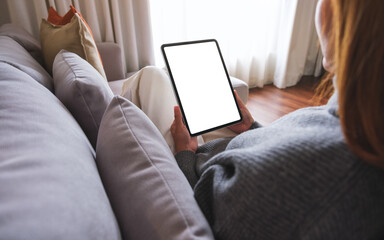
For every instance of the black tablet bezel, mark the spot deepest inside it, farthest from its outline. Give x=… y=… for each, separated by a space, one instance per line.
x=176 y=91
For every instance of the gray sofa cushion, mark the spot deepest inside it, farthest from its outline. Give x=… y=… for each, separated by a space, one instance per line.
x=83 y=91
x=111 y=55
x=116 y=86
x=241 y=87
x=14 y=54
x=24 y=38
x=151 y=197
x=49 y=184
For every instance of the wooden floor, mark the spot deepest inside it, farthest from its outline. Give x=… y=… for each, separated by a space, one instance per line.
x=270 y=103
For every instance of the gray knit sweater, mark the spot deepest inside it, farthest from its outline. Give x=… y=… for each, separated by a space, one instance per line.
x=295 y=179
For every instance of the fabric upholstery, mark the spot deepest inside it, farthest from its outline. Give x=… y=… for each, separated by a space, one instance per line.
x=149 y=194
x=14 y=54
x=241 y=87
x=24 y=38
x=82 y=90
x=112 y=57
x=116 y=86
x=73 y=37
x=50 y=187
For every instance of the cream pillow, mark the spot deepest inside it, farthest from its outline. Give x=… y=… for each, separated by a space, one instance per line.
x=73 y=37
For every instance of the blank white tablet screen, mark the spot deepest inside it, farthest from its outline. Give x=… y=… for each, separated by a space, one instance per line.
x=202 y=86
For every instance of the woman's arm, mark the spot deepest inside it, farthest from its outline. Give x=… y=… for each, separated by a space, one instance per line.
x=183 y=141
x=248 y=120
x=189 y=158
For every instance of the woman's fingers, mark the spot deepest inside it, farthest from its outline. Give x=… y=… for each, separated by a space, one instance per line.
x=177 y=115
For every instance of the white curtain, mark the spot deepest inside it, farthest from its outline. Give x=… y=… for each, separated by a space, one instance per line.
x=263 y=41
x=126 y=22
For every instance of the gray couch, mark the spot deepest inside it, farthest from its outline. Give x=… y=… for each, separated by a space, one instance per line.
x=50 y=187
x=77 y=162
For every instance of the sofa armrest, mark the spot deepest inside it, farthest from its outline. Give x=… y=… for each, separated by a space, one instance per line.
x=241 y=87
x=112 y=59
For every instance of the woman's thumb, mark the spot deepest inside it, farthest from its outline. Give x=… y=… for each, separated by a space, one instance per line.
x=177 y=114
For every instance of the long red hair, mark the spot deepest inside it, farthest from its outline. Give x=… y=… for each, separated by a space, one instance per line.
x=359 y=67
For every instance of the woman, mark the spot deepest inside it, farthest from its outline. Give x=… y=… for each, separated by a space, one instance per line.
x=316 y=173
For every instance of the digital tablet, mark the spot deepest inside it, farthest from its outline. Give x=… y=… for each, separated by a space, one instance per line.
x=202 y=85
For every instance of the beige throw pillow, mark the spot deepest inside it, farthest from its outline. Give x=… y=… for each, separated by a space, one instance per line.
x=73 y=37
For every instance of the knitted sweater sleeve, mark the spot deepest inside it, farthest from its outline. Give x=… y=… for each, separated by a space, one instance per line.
x=242 y=194
x=191 y=163
x=295 y=179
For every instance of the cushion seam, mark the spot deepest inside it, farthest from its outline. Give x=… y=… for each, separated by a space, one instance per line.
x=157 y=170
x=75 y=82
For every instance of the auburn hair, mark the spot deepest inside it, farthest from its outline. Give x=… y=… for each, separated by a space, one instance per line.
x=359 y=67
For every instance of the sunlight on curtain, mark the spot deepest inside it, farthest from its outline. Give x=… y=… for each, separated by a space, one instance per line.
x=262 y=41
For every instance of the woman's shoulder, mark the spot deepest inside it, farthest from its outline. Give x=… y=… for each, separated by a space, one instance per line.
x=296 y=180
x=292 y=177
x=301 y=130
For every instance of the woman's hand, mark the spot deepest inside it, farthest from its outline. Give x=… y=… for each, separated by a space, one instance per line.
x=247 y=118
x=183 y=141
